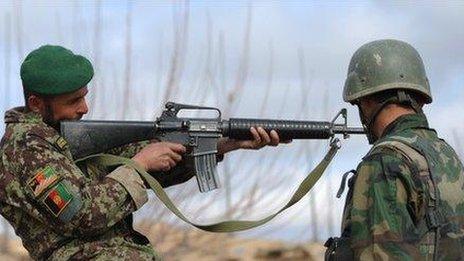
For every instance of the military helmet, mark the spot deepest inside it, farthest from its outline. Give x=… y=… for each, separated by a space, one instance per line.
x=385 y=65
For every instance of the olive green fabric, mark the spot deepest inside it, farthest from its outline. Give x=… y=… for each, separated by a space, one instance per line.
x=54 y=70
x=385 y=65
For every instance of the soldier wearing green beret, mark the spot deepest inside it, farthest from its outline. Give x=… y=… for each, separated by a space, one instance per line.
x=406 y=199
x=59 y=209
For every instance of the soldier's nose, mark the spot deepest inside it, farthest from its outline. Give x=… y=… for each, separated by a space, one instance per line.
x=83 y=109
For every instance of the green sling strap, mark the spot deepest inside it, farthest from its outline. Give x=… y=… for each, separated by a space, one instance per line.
x=225 y=226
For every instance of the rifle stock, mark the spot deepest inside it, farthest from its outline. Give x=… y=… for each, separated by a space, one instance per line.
x=87 y=137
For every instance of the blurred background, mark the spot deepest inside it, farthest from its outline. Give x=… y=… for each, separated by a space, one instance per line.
x=268 y=59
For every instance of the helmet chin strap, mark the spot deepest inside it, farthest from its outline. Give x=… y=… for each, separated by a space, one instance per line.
x=368 y=121
x=401 y=97
x=405 y=98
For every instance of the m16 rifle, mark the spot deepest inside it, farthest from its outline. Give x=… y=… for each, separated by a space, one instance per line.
x=199 y=135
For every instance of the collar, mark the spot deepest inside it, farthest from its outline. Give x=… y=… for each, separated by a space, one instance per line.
x=22 y=115
x=408 y=121
x=37 y=127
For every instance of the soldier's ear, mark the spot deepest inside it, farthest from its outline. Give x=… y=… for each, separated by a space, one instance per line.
x=36 y=103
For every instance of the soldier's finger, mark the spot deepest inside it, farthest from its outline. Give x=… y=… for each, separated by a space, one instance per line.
x=264 y=136
x=274 y=138
x=176 y=147
x=171 y=163
x=255 y=134
x=166 y=166
x=173 y=155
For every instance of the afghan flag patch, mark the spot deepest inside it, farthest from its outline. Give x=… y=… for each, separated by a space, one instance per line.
x=42 y=180
x=58 y=198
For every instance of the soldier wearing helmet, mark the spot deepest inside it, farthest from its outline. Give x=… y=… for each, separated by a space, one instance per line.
x=406 y=198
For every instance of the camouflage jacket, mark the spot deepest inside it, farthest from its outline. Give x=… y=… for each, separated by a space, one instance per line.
x=404 y=198
x=61 y=210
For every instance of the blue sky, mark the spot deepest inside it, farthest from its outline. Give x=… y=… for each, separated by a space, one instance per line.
x=322 y=34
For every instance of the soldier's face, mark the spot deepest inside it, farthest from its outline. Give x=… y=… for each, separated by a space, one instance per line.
x=367 y=107
x=366 y=110
x=69 y=106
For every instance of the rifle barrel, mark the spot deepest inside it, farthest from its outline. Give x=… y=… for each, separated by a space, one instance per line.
x=342 y=129
x=239 y=128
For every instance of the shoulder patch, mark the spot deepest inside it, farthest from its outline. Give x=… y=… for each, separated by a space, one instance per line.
x=58 y=198
x=61 y=143
x=42 y=180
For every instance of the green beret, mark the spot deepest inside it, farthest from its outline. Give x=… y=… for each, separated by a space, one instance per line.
x=53 y=70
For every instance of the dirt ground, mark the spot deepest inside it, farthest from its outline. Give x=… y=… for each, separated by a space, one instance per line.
x=192 y=244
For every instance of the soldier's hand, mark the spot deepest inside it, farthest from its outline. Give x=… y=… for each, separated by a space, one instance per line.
x=160 y=156
x=260 y=139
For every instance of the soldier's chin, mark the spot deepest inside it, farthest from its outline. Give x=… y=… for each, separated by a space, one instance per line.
x=53 y=124
x=71 y=119
x=56 y=124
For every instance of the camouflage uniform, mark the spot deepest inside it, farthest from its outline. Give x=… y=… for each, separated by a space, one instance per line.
x=407 y=195
x=63 y=211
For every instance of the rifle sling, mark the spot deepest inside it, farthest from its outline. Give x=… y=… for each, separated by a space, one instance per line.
x=225 y=226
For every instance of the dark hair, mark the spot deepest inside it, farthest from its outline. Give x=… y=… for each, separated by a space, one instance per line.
x=27 y=93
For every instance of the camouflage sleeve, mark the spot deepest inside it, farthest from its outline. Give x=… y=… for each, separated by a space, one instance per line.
x=381 y=224
x=61 y=195
x=128 y=150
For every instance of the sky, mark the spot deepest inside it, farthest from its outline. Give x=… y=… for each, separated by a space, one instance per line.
x=297 y=57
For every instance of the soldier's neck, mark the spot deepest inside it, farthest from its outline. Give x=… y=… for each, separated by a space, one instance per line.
x=389 y=114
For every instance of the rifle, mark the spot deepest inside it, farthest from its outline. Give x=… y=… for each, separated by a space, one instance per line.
x=199 y=135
